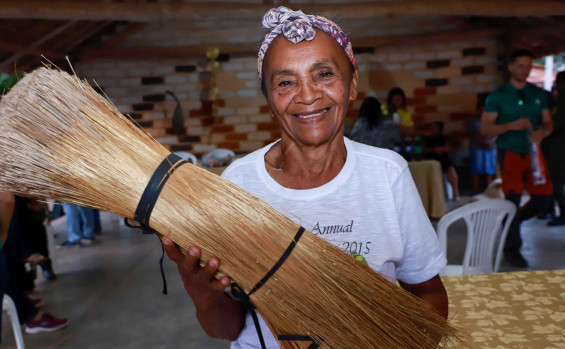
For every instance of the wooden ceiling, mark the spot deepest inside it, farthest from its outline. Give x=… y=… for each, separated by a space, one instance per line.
x=96 y=29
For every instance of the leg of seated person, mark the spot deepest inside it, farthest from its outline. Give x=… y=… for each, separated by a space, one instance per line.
x=454 y=180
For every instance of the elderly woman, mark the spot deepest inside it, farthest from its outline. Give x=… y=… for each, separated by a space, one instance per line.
x=317 y=177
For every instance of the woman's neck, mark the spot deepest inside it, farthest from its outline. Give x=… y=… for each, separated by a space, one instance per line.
x=305 y=167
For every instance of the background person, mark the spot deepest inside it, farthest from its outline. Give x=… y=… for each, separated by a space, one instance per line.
x=510 y=111
x=482 y=149
x=374 y=128
x=554 y=150
x=27 y=243
x=78 y=233
x=395 y=107
x=28 y=313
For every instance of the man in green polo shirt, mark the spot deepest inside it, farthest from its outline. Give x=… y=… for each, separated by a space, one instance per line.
x=518 y=114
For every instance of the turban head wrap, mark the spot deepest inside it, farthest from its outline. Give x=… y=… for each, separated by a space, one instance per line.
x=297 y=26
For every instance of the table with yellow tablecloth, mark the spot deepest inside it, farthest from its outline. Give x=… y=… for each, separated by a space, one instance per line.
x=428 y=177
x=510 y=310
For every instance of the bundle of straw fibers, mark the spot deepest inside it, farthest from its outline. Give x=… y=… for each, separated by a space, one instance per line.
x=60 y=139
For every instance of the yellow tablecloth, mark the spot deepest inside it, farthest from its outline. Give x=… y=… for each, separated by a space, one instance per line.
x=428 y=177
x=510 y=310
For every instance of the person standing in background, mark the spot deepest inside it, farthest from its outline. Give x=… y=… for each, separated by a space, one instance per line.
x=77 y=235
x=482 y=149
x=553 y=147
x=511 y=112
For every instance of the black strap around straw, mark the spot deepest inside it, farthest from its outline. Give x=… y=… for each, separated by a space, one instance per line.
x=149 y=198
x=238 y=292
x=143 y=214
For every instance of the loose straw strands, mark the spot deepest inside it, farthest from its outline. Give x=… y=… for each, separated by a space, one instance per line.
x=61 y=140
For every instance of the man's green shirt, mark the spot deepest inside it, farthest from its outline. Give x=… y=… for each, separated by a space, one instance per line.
x=512 y=104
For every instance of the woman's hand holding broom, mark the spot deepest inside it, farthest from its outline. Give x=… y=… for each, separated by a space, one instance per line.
x=219 y=315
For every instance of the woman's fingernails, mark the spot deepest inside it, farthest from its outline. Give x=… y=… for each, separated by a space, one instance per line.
x=213 y=262
x=193 y=251
x=166 y=241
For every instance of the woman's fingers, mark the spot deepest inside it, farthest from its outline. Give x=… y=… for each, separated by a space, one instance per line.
x=221 y=283
x=189 y=266
x=192 y=259
x=210 y=270
x=172 y=250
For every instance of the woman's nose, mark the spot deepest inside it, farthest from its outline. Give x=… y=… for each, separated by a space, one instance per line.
x=308 y=93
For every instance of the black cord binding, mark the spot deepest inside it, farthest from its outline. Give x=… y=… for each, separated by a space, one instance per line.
x=149 y=198
x=143 y=214
x=243 y=297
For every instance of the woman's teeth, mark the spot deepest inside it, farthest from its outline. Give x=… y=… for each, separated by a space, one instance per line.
x=309 y=116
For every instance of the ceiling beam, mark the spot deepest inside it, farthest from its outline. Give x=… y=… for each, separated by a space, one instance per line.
x=29 y=50
x=167 y=52
x=123 y=34
x=163 y=52
x=38 y=42
x=163 y=11
x=84 y=35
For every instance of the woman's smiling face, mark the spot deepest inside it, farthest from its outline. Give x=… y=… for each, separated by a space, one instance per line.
x=308 y=87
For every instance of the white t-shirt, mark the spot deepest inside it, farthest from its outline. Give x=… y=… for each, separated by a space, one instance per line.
x=371 y=209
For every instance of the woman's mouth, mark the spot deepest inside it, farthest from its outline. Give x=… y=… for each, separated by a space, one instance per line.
x=312 y=115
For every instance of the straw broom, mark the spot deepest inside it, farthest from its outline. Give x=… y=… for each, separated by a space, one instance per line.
x=60 y=139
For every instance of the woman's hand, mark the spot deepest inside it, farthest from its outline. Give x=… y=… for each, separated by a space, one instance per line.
x=199 y=282
x=219 y=315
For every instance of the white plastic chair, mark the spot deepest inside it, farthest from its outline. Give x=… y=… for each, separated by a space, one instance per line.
x=9 y=306
x=487 y=223
x=187 y=156
x=221 y=155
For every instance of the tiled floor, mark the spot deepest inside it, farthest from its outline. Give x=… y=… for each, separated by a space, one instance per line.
x=111 y=291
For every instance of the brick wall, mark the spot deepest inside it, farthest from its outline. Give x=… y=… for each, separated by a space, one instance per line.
x=441 y=81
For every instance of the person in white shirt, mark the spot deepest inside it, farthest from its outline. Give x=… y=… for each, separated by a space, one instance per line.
x=360 y=198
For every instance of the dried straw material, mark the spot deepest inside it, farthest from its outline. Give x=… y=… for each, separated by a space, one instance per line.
x=60 y=139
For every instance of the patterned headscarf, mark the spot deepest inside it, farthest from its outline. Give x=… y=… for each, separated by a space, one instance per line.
x=296 y=26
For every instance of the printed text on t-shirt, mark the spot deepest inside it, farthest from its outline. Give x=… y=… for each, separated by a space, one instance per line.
x=332 y=229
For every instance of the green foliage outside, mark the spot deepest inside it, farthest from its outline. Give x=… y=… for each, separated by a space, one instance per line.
x=8 y=81
x=558 y=62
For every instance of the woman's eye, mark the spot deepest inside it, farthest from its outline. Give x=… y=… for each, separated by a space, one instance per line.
x=285 y=83
x=325 y=74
